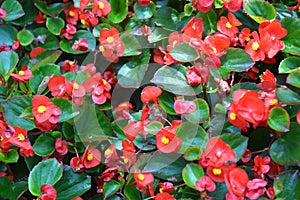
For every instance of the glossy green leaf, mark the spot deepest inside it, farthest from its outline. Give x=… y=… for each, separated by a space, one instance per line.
x=44 y=58
x=238 y=143
x=55 y=25
x=44 y=145
x=236 y=60
x=111 y=187
x=25 y=37
x=172 y=79
x=200 y=114
x=46 y=172
x=8 y=62
x=283 y=150
x=188 y=9
x=119 y=10
x=183 y=52
x=193 y=153
x=220 y=191
x=291 y=185
x=52 y=9
x=30 y=13
x=13 y=8
x=45 y=39
x=6 y=187
x=209 y=21
x=8 y=34
x=66 y=45
x=287 y=96
x=283 y=11
x=192 y=173
x=289 y=65
x=131 y=193
x=69 y=109
x=166 y=101
x=132 y=73
x=11 y=156
x=279 y=119
x=167 y=18
x=259 y=139
x=260 y=11
x=294 y=79
x=132 y=46
x=13 y=109
x=153 y=127
x=18 y=189
x=191 y=135
x=72 y=184
x=158 y=34
x=144 y=12
x=291 y=40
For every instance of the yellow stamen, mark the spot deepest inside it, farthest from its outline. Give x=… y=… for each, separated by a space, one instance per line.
x=71 y=63
x=247 y=39
x=101 y=48
x=232 y=116
x=219 y=153
x=21 y=137
x=83 y=21
x=41 y=109
x=75 y=86
x=194 y=27
x=110 y=39
x=104 y=82
x=255 y=46
x=90 y=157
x=228 y=25
x=165 y=140
x=21 y=73
x=126 y=160
x=101 y=5
x=1 y=138
x=141 y=177
x=107 y=152
x=161 y=190
x=273 y=102
x=71 y=13
x=217 y=171
x=214 y=49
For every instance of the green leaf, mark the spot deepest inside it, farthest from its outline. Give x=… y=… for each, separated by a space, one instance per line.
x=289 y=65
x=68 y=131
x=41 y=76
x=8 y=34
x=144 y=12
x=111 y=187
x=220 y=191
x=260 y=11
x=188 y=9
x=30 y=14
x=193 y=153
x=283 y=150
x=172 y=79
x=11 y=156
x=13 y=109
x=210 y=20
x=8 y=62
x=183 y=52
x=25 y=37
x=158 y=34
x=192 y=173
x=291 y=40
x=132 y=73
x=46 y=39
x=132 y=46
x=238 y=143
x=55 y=25
x=6 y=187
x=44 y=145
x=236 y=60
x=44 y=58
x=200 y=114
x=18 y=189
x=166 y=101
x=283 y=11
x=287 y=96
x=66 y=45
x=153 y=127
x=14 y=10
x=191 y=135
x=291 y=185
x=279 y=119
x=131 y=193
x=119 y=10
x=46 y=172
x=167 y=18
x=52 y=9
x=294 y=79
x=72 y=184
x=69 y=109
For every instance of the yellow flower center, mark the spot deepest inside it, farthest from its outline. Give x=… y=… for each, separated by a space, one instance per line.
x=161 y=190
x=228 y=25
x=104 y=82
x=41 y=109
x=101 y=5
x=273 y=102
x=141 y=177
x=21 y=73
x=1 y=138
x=110 y=39
x=71 y=63
x=71 y=13
x=90 y=157
x=255 y=46
x=107 y=152
x=194 y=27
x=232 y=116
x=75 y=86
x=247 y=39
x=21 y=137
x=1 y=82
x=83 y=21
x=165 y=140
x=126 y=160
x=215 y=50
x=219 y=153
x=217 y=171
x=101 y=48
x=44 y=16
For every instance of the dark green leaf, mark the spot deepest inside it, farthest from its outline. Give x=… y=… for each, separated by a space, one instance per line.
x=119 y=10
x=294 y=79
x=18 y=189
x=55 y=25
x=200 y=114
x=132 y=46
x=260 y=11
x=72 y=184
x=283 y=11
x=8 y=62
x=289 y=65
x=236 y=60
x=193 y=153
x=13 y=8
x=111 y=187
x=167 y=18
x=287 y=96
x=25 y=37
x=6 y=187
x=44 y=145
x=291 y=183
x=238 y=143
x=172 y=79
x=8 y=34
x=69 y=109
x=45 y=39
x=183 y=52
x=166 y=101
x=192 y=173
x=52 y=9
x=279 y=119
x=46 y=172
x=144 y=12
x=13 y=108
x=131 y=192
x=11 y=156
x=292 y=40
x=220 y=191
x=209 y=21
x=30 y=13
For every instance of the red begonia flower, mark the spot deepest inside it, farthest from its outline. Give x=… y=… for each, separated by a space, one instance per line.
x=72 y=14
x=229 y=26
x=84 y=3
x=167 y=141
x=144 y=2
x=255 y=188
x=298 y=116
x=262 y=165
x=270 y=193
x=40 y=18
x=268 y=81
x=244 y=36
x=205 y=183
x=166 y=187
x=150 y=93
x=164 y=196
x=76 y=164
x=193 y=29
x=236 y=181
x=184 y=107
x=16 y=45
x=48 y=192
x=59 y=86
x=101 y=8
x=23 y=75
x=61 y=146
x=202 y=5
x=88 y=18
x=3 y=13
x=142 y=179
x=194 y=77
x=36 y=51
x=69 y=66
x=162 y=57
x=5 y=140
x=80 y=45
x=69 y=31
x=91 y=157
x=254 y=48
x=128 y=146
x=232 y=5
x=43 y=108
x=133 y=128
x=110 y=153
x=19 y=139
x=218 y=174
